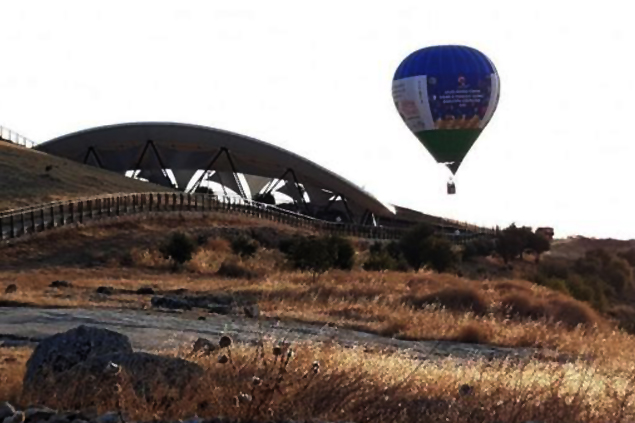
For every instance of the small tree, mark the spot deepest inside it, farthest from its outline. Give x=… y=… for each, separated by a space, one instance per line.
x=538 y=243
x=244 y=246
x=441 y=257
x=414 y=245
x=311 y=254
x=179 y=248
x=342 y=251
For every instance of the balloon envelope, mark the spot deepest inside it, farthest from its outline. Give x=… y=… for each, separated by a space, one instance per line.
x=446 y=95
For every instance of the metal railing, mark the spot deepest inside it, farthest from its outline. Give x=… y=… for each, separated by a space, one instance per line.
x=7 y=134
x=31 y=220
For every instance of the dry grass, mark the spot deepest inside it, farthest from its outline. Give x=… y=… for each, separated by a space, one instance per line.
x=12 y=368
x=378 y=302
x=322 y=381
x=25 y=180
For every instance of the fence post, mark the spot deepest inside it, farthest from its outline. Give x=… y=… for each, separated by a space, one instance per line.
x=33 y=228
x=52 y=215
x=81 y=211
x=12 y=234
x=43 y=227
x=90 y=209
x=22 y=222
x=1 y=229
x=150 y=203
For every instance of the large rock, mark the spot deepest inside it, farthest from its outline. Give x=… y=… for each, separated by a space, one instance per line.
x=7 y=410
x=150 y=377
x=59 y=353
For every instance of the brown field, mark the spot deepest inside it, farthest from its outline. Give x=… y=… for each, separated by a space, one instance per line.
x=26 y=182
x=595 y=385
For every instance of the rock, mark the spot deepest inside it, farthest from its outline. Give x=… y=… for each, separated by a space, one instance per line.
x=145 y=290
x=18 y=417
x=202 y=318
x=170 y=303
x=6 y=410
x=220 y=309
x=106 y=290
x=252 y=311
x=110 y=417
x=10 y=289
x=59 y=353
x=61 y=284
x=204 y=345
x=37 y=414
x=59 y=419
x=92 y=383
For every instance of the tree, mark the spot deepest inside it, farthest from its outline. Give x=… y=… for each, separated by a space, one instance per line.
x=342 y=251
x=179 y=248
x=538 y=243
x=311 y=254
x=414 y=245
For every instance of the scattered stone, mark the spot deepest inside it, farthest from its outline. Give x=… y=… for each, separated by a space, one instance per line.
x=106 y=290
x=37 y=414
x=204 y=345
x=220 y=309
x=252 y=311
x=56 y=354
x=60 y=418
x=11 y=289
x=61 y=284
x=18 y=417
x=6 y=410
x=170 y=303
x=110 y=417
x=145 y=290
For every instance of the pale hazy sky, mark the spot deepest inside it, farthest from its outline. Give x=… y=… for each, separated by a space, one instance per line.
x=317 y=80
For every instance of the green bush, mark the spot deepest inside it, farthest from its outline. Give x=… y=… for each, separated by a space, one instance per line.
x=479 y=247
x=342 y=251
x=179 y=248
x=244 y=246
x=441 y=257
x=614 y=271
x=421 y=247
x=414 y=245
x=310 y=254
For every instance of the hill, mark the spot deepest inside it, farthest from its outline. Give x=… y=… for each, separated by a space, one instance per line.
x=31 y=177
x=575 y=247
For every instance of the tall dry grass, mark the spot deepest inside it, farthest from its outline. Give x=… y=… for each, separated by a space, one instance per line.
x=324 y=381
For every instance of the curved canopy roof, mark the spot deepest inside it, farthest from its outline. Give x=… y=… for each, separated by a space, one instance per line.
x=186 y=149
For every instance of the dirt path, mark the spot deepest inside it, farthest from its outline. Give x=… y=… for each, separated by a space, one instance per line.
x=152 y=331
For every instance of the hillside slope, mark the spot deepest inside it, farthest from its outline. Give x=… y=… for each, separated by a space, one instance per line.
x=25 y=180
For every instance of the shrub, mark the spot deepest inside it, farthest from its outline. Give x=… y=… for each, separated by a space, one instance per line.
x=179 y=248
x=473 y=333
x=421 y=247
x=441 y=257
x=342 y=251
x=234 y=270
x=379 y=262
x=244 y=246
x=572 y=313
x=414 y=245
x=614 y=271
x=523 y=306
x=455 y=299
x=479 y=247
x=310 y=254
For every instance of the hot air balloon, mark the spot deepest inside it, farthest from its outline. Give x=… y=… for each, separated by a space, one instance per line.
x=446 y=95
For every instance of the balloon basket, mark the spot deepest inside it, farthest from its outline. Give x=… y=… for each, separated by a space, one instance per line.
x=451 y=188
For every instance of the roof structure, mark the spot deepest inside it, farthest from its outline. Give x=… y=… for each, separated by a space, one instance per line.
x=174 y=154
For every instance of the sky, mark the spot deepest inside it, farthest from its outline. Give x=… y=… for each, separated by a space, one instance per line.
x=316 y=79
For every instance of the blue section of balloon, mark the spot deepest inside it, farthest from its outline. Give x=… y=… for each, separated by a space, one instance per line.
x=444 y=60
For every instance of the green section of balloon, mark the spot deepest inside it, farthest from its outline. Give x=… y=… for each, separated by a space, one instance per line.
x=446 y=95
